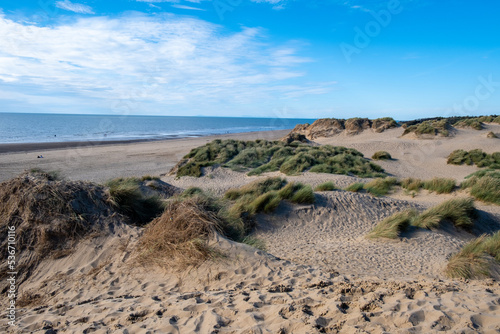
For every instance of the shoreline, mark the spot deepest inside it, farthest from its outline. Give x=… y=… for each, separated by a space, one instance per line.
x=10 y=148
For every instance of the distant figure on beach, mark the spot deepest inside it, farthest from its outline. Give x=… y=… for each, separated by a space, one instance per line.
x=40 y=157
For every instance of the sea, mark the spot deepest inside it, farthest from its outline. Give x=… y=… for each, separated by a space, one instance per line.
x=45 y=128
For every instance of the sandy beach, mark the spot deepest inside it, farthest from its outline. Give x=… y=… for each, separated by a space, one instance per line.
x=319 y=273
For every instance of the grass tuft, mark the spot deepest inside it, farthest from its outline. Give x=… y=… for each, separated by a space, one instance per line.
x=440 y=185
x=305 y=195
x=476 y=258
x=255 y=243
x=355 y=187
x=412 y=184
x=484 y=185
x=392 y=226
x=327 y=186
x=127 y=195
x=381 y=187
x=265 y=203
x=461 y=212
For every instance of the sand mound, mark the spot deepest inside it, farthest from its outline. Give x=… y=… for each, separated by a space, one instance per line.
x=50 y=216
x=332 y=234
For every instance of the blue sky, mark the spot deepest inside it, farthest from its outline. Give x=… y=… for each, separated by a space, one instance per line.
x=266 y=58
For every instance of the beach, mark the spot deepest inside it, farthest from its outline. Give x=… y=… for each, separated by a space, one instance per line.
x=319 y=273
x=101 y=161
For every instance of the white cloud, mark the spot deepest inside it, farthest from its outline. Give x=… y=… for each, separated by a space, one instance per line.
x=74 y=7
x=187 y=7
x=160 y=62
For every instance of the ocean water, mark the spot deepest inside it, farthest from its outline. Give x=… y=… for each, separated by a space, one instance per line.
x=42 y=128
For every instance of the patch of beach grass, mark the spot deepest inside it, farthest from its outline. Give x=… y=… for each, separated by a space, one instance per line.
x=439 y=127
x=440 y=185
x=477 y=157
x=255 y=242
x=257 y=157
x=355 y=187
x=131 y=201
x=486 y=189
x=326 y=186
x=392 y=226
x=484 y=185
x=257 y=188
x=305 y=195
x=473 y=123
x=476 y=258
x=460 y=212
x=412 y=184
x=264 y=196
x=381 y=187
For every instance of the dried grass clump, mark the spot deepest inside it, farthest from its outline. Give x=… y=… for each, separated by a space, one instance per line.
x=180 y=236
x=50 y=216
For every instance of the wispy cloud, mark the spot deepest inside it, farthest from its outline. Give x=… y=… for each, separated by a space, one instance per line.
x=160 y=61
x=187 y=7
x=74 y=7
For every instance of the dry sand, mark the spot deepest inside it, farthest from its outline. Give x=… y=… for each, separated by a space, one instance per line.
x=320 y=275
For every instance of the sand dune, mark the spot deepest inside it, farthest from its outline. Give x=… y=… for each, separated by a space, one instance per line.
x=320 y=274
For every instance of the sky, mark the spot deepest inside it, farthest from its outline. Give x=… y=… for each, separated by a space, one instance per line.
x=405 y=59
